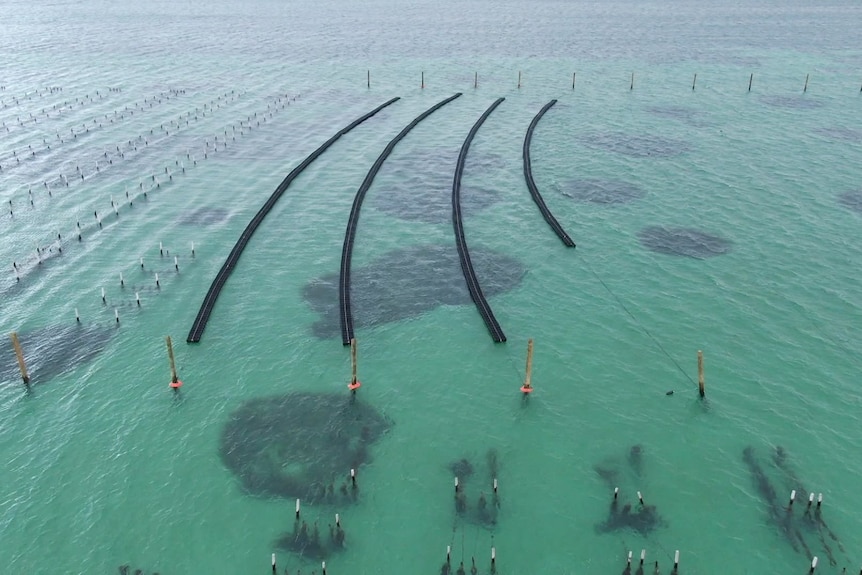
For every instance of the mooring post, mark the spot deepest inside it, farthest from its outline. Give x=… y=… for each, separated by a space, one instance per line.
x=368 y=78
x=20 y=355
x=475 y=80
x=274 y=568
x=632 y=86
x=573 y=79
x=750 y=80
x=700 y=380
x=805 y=88
x=175 y=381
x=519 y=79
x=423 y=80
x=354 y=382
x=528 y=387
x=693 y=82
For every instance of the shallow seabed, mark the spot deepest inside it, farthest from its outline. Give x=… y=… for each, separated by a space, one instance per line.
x=715 y=219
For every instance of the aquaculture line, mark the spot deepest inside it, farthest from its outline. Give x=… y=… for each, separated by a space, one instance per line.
x=350 y=234
x=467 y=265
x=531 y=184
x=226 y=269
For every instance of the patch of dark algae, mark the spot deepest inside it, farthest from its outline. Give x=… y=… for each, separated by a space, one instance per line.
x=686 y=242
x=299 y=445
x=408 y=282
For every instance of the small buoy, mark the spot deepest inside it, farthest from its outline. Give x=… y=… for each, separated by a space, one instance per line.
x=176 y=384
x=354 y=385
x=526 y=389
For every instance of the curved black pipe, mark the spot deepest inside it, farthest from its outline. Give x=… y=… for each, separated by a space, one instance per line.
x=218 y=283
x=350 y=234
x=466 y=265
x=531 y=184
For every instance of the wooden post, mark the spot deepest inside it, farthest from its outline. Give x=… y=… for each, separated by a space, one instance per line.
x=805 y=89
x=700 y=380
x=632 y=87
x=20 y=355
x=750 y=80
x=353 y=361
x=174 y=378
x=519 y=79
x=423 y=80
x=693 y=82
x=368 y=78
x=573 y=80
x=475 y=80
x=527 y=379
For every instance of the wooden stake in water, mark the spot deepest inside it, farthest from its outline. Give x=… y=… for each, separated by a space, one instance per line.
x=519 y=79
x=354 y=383
x=528 y=387
x=20 y=355
x=368 y=78
x=693 y=82
x=174 y=378
x=750 y=80
x=475 y=79
x=700 y=379
x=423 y=80
x=805 y=88
x=573 y=79
x=632 y=86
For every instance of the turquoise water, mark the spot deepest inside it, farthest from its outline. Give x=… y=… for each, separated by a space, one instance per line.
x=103 y=467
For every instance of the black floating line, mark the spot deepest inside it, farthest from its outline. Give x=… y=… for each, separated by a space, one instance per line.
x=226 y=269
x=467 y=265
x=531 y=184
x=350 y=234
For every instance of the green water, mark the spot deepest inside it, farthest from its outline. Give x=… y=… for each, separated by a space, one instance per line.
x=103 y=466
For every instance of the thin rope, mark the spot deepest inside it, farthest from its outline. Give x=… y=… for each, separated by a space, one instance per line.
x=638 y=323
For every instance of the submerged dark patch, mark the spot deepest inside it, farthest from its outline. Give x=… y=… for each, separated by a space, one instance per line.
x=852 y=200
x=55 y=350
x=298 y=445
x=406 y=283
x=840 y=133
x=686 y=115
x=598 y=191
x=204 y=217
x=792 y=102
x=687 y=242
x=636 y=146
x=423 y=190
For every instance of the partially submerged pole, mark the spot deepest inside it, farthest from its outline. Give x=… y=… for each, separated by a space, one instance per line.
x=700 y=380
x=573 y=79
x=20 y=355
x=175 y=382
x=693 y=82
x=528 y=387
x=423 y=80
x=805 y=88
x=475 y=79
x=750 y=80
x=354 y=382
x=519 y=79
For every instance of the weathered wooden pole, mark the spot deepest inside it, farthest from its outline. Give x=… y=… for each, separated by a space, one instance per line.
x=423 y=80
x=632 y=86
x=700 y=379
x=20 y=355
x=573 y=79
x=519 y=79
x=693 y=82
x=805 y=88
x=175 y=381
x=750 y=80
x=475 y=80
x=368 y=78
x=354 y=382
x=528 y=387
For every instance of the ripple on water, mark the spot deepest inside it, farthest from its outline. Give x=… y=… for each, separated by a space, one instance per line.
x=799 y=102
x=602 y=191
x=637 y=146
x=687 y=242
